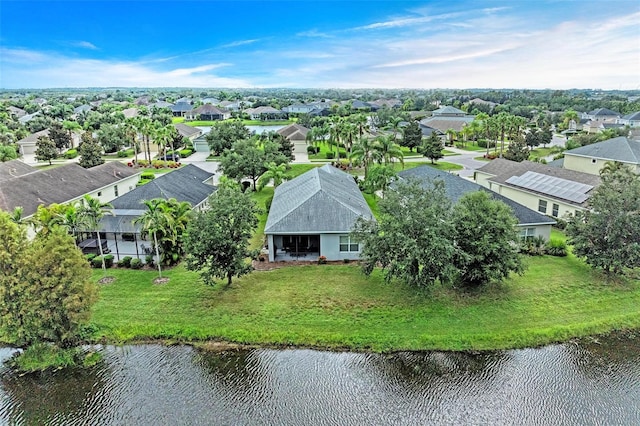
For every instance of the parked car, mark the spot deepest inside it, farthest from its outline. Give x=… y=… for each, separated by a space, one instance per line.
x=171 y=157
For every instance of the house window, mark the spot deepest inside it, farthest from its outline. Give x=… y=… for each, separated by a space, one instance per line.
x=527 y=233
x=542 y=206
x=554 y=210
x=115 y=190
x=348 y=244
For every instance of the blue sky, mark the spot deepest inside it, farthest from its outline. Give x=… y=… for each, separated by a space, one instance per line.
x=333 y=44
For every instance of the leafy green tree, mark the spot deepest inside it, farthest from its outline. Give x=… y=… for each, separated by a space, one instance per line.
x=46 y=292
x=412 y=240
x=90 y=151
x=223 y=135
x=71 y=126
x=379 y=178
x=411 y=135
x=607 y=235
x=217 y=240
x=112 y=138
x=245 y=159
x=387 y=149
x=89 y=211
x=432 y=148
x=7 y=153
x=517 y=150
x=59 y=136
x=486 y=239
x=365 y=154
x=45 y=149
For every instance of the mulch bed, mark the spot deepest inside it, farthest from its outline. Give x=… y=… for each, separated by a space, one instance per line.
x=106 y=280
x=160 y=281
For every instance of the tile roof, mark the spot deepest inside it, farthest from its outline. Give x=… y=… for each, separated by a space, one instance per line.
x=456 y=187
x=616 y=149
x=183 y=184
x=322 y=200
x=59 y=185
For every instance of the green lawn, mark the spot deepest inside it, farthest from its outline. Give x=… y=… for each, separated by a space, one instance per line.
x=469 y=146
x=335 y=306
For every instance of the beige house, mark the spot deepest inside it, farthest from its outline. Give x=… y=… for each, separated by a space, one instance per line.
x=592 y=158
x=549 y=190
x=21 y=187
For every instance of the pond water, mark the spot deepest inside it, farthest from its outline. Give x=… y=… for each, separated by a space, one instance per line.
x=254 y=129
x=570 y=384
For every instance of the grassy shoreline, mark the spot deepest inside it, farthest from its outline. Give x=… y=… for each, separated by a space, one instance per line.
x=335 y=307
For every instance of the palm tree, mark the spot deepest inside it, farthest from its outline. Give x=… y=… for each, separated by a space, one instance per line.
x=348 y=132
x=156 y=219
x=90 y=210
x=131 y=133
x=277 y=172
x=388 y=149
x=395 y=125
x=69 y=220
x=163 y=136
x=16 y=216
x=70 y=126
x=364 y=153
x=145 y=127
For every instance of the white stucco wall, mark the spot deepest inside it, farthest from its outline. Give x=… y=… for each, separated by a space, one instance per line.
x=583 y=164
x=108 y=193
x=330 y=248
x=531 y=200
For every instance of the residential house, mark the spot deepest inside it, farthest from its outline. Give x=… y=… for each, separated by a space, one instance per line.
x=64 y=184
x=299 y=108
x=549 y=190
x=16 y=112
x=313 y=215
x=14 y=168
x=592 y=158
x=189 y=132
x=27 y=118
x=294 y=132
x=27 y=145
x=130 y=112
x=265 y=113
x=444 y=119
x=208 y=112
x=631 y=120
x=82 y=109
x=602 y=114
x=530 y=222
x=188 y=183
x=181 y=109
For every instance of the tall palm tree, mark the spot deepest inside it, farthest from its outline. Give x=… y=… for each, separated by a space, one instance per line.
x=131 y=133
x=90 y=210
x=364 y=153
x=275 y=172
x=155 y=220
x=70 y=220
x=348 y=132
x=388 y=149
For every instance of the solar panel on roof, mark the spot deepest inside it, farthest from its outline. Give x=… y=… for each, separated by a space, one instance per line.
x=553 y=186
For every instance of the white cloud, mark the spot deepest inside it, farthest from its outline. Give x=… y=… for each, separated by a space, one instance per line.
x=240 y=43
x=85 y=45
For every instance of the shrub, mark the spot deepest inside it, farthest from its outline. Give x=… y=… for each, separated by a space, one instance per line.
x=125 y=262
x=346 y=260
x=267 y=203
x=158 y=164
x=90 y=257
x=312 y=150
x=72 y=153
x=322 y=260
x=534 y=246
x=148 y=259
x=330 y=155
x=96 y=262
x=482 y=143
x=185 y=152
x=126 y=153
x=143 y=163
x=136 y=263
x=108 y=260
x=556 y=247
x=147 y=176
x=342 y=154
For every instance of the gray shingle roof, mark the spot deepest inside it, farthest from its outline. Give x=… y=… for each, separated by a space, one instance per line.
x=183 y=184
x=634 y=116
x=291 y=129
x=616 y=149
x=322 y=200
x=187 y=131
x=14 y=168
x=603 y=112
x=448 y=110
x=59 y=185
x=456 y=187
x=444 y=123
x=181 y=107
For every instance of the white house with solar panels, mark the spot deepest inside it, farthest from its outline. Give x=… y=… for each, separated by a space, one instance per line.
x=552 y=191
x=313 y=215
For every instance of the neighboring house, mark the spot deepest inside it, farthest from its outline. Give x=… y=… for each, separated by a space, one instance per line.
x=592 y=158
x=27 y=118
x=27 y=145
x=294 y=132
x=188 y=131
x=208 y=112
x=445 y=118
x=479 y=101
x=631 y=120
x=265 y=113
x=16 y=112
x=130 y=112
x=160 y=104
x=390 y=103
x=213 y=101
x=14 y=168
x=546 y=189
x=313 y=215
x=602 y=114
x=299 y=108
x=530 y=222
x=81 y=109
x=189 y=183
x=200 y=144
x=64 y=184
x=181 y=109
